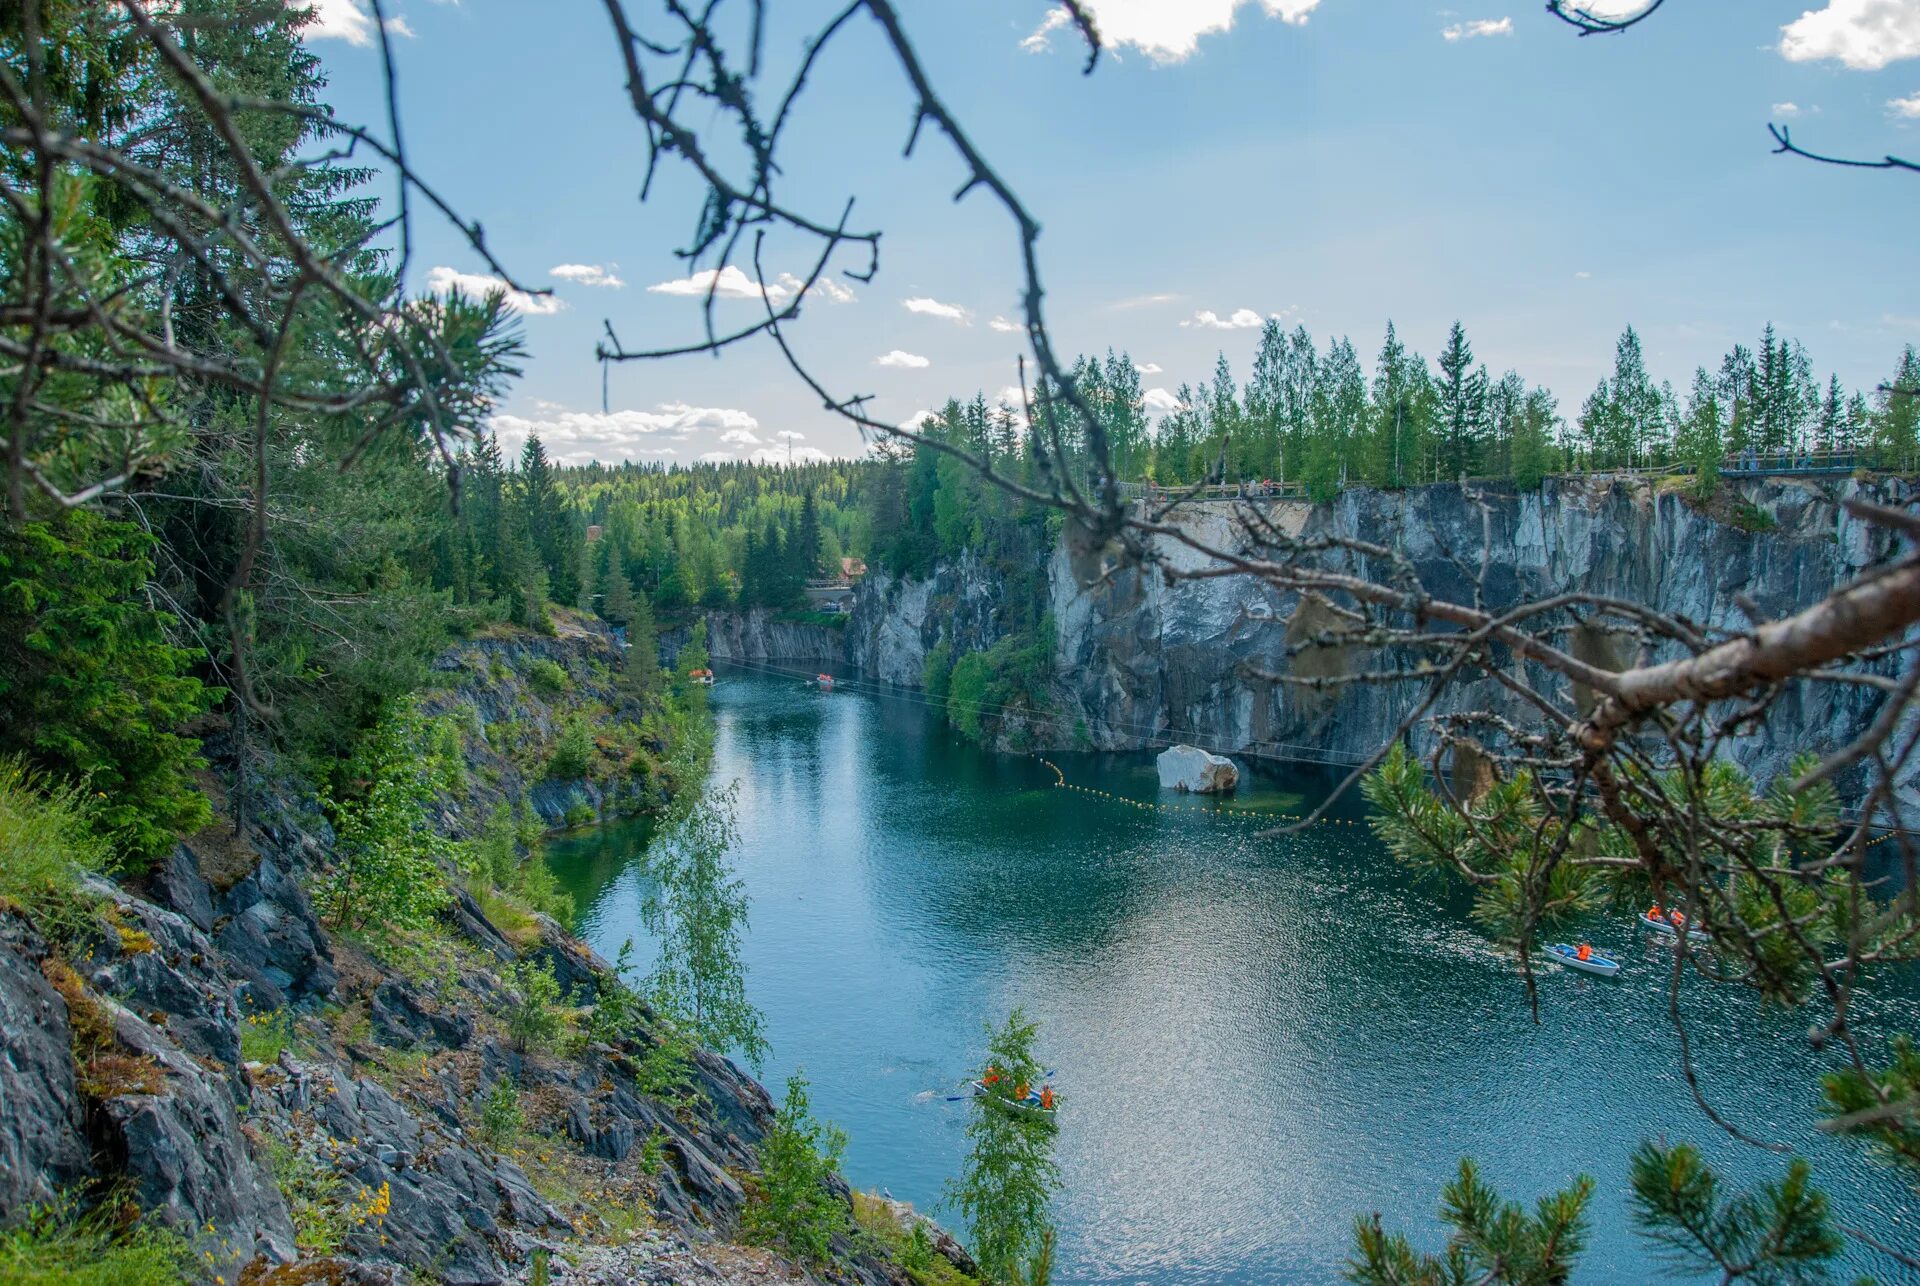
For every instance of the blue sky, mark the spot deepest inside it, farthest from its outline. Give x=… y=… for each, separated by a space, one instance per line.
x=1334 y=162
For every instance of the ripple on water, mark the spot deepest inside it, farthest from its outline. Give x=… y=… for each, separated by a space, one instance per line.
x=1258 y=1038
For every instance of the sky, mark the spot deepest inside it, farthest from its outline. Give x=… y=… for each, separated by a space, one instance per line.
x=1333 y=163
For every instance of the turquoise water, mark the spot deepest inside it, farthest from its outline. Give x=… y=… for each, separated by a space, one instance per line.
x=1259 y=1038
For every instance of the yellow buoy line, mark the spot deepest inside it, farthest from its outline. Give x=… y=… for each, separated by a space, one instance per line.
x=1060 y=782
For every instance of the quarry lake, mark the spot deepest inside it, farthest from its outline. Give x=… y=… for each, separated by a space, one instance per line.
x=1257 y=1038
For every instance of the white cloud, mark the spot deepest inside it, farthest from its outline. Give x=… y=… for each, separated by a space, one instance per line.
x=724 y=283
x=778 y=455
x=899 y=358
x=1907 y=107
x=1583 y=275
x=730 y=283
x=345 y=20
x=789 y=435
x=827 y=288
x=934 y=308
x=718 y=457
x=441 y=280
x=587 y=274
x=1139 y=301
x=1786 y=109
x=1005 y=327
x=1013 y=397
x=576 y=437
x=1147 y=368
x=740 y=438
x=1158 y=399
x=1865 y=35
x=1165 y=30
x=1207 y=319
x=913 y=422
x=1478 y=27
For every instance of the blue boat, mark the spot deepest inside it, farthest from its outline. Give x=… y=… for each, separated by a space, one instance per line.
x=1568 y=955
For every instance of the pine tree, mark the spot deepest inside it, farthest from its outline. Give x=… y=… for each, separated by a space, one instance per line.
x=1896 y=423
x=1462 y=396
x=616 y=599
x=805 y=546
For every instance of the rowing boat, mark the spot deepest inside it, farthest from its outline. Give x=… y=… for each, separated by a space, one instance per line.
x=1660 y=924
x=1028 y=1106
x=1563 y=953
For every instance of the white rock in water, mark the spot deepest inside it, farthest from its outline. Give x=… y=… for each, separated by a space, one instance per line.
x=1193 y=769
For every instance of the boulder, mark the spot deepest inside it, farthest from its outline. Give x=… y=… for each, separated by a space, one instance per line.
x=1190 y=768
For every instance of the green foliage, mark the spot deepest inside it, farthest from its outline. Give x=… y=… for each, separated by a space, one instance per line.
x=60 y=1245
x=694 y=656
x=1503 y=846
x=92 y=690
x=548 y=677
x=314 y=1192
x=573 y=750
x=1750 y=517
x=936 y=673
x=264 y=1035
x=501 y=1117
x=1495 y=1242
x=47 y=844
x=391 y=864
x=536 y=1018
x=1005 y=1189
x=697 y=909
x=1008 y=681
x=1882 y=1106
x=792 y=1206
x=1782 y=1232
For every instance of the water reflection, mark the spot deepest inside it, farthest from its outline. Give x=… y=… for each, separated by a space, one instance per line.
x=1261 y=1037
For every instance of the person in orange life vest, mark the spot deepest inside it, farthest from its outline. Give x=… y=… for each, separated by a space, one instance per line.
x=992 y=1077
x=1020 y=1092
x=1676 y=917
x=1046 y=1098
x=1653 y=912
x=1585 y=952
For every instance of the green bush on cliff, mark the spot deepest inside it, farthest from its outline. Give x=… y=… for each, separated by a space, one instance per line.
x=791 y=1207
x=92 y=689
x=392 y=863
x=548 y=677
x=573 y=751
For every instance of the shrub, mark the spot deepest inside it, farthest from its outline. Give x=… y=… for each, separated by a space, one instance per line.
x=58 y=1245
x=313 y=1190
x=580 y=813
x=548 y=677
x=390 y=872
x=91 y=690
x=46 y=846
x=792 y=1207
x=535 y=1018
x=572 y=753
x=501 y=1119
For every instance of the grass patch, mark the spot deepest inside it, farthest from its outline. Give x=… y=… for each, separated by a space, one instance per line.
x=58 y=1245
x=548 y=677
x=264 y=1035
x=46 y=848
x=1750 y=517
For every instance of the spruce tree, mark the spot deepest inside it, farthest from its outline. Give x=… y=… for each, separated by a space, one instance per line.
x=1462 y=396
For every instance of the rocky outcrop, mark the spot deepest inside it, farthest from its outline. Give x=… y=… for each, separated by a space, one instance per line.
x=301 y=1108
x=1196 y=771
x=897 y=620
x=507 y=696
x=1143 y=659
x=758 y=636
x=43 y=1147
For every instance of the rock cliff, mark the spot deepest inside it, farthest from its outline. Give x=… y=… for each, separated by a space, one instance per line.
x=302 y=1106
x=1142 y=660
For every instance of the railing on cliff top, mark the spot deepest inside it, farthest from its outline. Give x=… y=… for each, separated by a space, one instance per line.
x=1753 y=464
